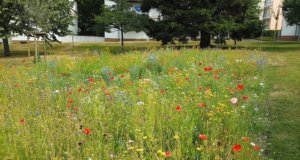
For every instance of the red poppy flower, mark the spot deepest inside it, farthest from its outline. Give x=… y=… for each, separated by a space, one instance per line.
x=246 y=139
x=237 y=148
x=168 y=154
x=208 y=69
x=202 y=105
x=122 y=76
x=216 y=77
x=245 y=98
x=22 y=121
x=202 y=136
x=162 y=91
x=87 y=131
x=80 y=89
x=76 y=108
x=256 y=147
x=70 y=100
x=69 y=105
x=178 y=108
x=240 y=87
x=91 y=80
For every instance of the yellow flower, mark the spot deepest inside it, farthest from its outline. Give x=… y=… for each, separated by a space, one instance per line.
x=145 y=137
x=131 y=148
x=176 y=136
x=159 y=151
x=140 y=150
x=198 y=149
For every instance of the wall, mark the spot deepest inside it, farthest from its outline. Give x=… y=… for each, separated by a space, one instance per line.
x=67 y=39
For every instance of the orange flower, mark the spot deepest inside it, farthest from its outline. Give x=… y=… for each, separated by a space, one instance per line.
x=246 y=139
x=202 y=137
x=87 y=131
x=91 y=80
x=22 y=121
x=201 y=105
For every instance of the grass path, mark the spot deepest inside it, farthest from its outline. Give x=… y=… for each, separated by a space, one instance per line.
x=283 y=102
x=283 y=75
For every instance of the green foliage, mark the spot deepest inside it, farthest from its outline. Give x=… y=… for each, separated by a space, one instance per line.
x=51 y=111
x=182 y=19
x=12 y=19
x=87 y=12
x=50 y=16
x=291 y=11
x=152 y=64
x=120 y=16
x=136 y=72
x=54 y=16
x=107 y=75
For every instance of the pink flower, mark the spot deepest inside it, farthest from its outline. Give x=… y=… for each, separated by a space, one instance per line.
x=234 y=101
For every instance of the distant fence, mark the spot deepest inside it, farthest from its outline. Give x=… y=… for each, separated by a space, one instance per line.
x=67 y=39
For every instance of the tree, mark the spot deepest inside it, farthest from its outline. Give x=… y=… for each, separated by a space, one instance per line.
x=87 y=12
x=291 y=11
x=247 y=24
x=18 y=17
x=209 y=17
x=120 y=17
x=54 y=16
x=180 y=19
x=11 y=21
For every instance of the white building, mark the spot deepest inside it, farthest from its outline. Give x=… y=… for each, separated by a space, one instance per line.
x=274 y=20
x=115 y=35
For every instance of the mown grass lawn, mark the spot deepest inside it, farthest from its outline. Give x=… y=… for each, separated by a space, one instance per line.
x=280 y=99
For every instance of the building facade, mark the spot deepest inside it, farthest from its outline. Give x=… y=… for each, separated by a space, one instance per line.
x=274 y=20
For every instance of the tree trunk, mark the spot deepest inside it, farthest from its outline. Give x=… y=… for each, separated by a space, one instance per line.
x=6 y=47
x=122 y=39
x=235 y=43
x=205 y=39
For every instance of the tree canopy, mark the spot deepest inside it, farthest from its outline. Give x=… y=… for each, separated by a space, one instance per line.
x=87 y=12
x=186 y=18
x=18 y=17
x=120 y=17
x=291 y=11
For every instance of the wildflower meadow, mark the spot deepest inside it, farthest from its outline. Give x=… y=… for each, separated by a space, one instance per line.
x=157 y=104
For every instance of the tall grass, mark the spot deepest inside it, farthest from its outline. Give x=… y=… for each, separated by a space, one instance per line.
x=164 y=104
